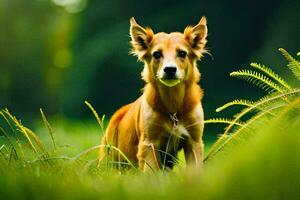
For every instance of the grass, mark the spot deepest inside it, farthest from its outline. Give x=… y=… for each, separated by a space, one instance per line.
x=265 y=167
x=255 y=158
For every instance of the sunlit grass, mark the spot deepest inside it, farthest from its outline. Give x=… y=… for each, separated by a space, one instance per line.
x=263 y=167
x=253 y=159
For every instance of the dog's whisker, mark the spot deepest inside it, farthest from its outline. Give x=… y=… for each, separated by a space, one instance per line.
x=192 y=125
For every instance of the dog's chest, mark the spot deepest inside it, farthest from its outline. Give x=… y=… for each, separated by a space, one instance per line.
x=177 y=128
x=178 y=131
x=161 y=125
x=173 y=138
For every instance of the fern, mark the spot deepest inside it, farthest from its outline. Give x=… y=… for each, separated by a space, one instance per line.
x=247 y=129
x=271 y=74
x=293 y=65
x=257 y=79
x=222 y=120
x=216 y=146
x=259 y=103
x=242 y=102
x=281 y=96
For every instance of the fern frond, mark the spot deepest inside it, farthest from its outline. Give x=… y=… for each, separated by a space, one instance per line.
x=227 y=139
x=242 y=102
x=281 y=96
x=222 y=121
x=293 y=65
x=257 y=79
x=271 y=74
x=213 y=149
x=259 y=103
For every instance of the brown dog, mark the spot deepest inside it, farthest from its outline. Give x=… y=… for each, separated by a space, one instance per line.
x=168 y=116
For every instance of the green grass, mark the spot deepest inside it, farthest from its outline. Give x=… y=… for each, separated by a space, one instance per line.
x=257 y=157
x=266 y=166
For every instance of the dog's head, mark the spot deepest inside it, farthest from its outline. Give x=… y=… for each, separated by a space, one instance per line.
x=170 y=58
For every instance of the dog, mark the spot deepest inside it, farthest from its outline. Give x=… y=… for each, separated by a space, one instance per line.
x=168 y=116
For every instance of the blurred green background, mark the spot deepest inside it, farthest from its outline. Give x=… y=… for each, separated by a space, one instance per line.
x=57 y=54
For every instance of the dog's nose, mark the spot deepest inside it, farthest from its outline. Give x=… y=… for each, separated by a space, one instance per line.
x=170 y=71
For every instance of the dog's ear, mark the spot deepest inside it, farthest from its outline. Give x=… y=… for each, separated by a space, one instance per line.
x=196 y=37
x=140 y=38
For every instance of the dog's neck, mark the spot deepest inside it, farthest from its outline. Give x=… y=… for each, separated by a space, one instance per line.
x=177 y=99
x=171 y=97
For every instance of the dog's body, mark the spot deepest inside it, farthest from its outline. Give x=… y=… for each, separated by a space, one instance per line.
x=168 y=116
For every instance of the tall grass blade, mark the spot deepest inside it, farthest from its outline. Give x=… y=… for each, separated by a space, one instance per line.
x=36 y=139
x=100 y=122
x=5 y=134
x=105 y=146
x=49 y=128
x=13 y=152
x=22 y=130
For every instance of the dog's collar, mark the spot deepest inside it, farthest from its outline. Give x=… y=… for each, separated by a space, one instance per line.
x=174 y=119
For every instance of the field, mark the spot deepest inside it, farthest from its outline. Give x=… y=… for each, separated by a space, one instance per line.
x=266 y=166
x=257 y=157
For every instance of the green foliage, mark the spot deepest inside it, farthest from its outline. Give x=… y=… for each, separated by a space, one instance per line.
x=271 y=74
x=264 y=167
x=255 y=158
x=293 y=65
x=257 y=79
x=39 y=152
x=50 y=130
x=242 y=102
x=281 y=96
x=34 y=57
x=100 y=121
x=222 y=120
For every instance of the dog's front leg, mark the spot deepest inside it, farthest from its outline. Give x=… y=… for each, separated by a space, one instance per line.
x=193 y=151
x=148 y=156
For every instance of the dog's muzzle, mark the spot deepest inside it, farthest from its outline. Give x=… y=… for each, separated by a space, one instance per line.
x=170 y=76
x=170 y=72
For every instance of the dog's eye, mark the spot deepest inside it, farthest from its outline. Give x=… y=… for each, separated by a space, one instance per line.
x=181 y=54
x=157 y=54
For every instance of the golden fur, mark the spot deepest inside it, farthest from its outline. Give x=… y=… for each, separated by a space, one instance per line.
x=144 y=129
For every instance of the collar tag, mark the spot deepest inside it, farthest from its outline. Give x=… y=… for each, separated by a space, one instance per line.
x=174 y=118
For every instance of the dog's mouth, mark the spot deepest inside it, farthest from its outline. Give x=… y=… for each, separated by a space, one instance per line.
x=170 y=82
